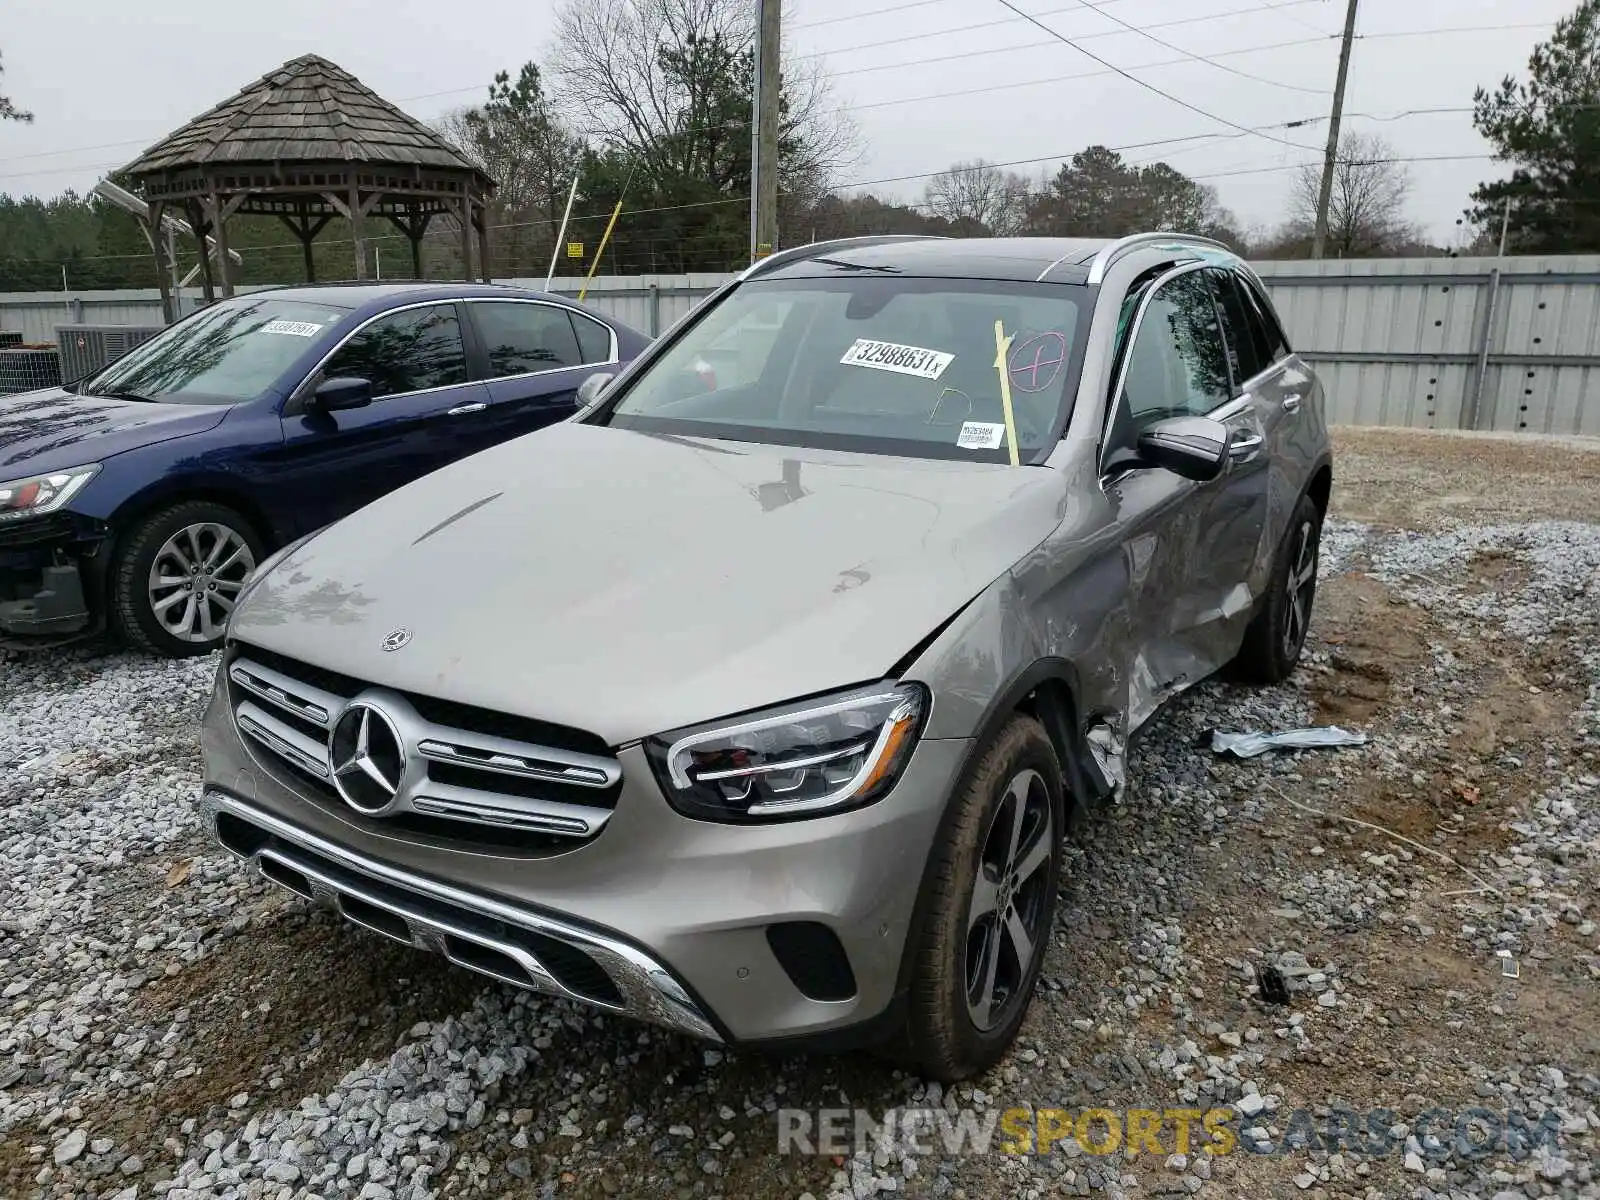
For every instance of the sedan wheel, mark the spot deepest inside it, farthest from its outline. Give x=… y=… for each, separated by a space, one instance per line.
x=196 y=577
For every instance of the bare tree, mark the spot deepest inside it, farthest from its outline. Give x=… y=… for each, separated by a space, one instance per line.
x=979 y=193
x=667 y=82
x=9 y=111
x=1367 y=214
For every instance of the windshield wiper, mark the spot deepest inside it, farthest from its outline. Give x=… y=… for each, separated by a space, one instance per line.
x=123 y=394
x=850 y=266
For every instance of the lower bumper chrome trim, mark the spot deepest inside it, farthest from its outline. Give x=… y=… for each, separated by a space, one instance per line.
x=459 y=924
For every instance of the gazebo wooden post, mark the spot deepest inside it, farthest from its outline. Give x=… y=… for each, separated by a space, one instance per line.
x=198 y=223
x=156 y=209
x=483 y=244
x=359 y=241
x=466 y=238
x=306 y=238
x=218 y=213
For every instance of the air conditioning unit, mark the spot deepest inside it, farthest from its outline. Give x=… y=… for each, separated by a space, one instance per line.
x=26 y=370
x=9 y=338
x=85 y=349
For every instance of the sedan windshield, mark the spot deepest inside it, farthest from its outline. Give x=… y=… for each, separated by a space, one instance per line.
x=232 y=351
x=923 y=367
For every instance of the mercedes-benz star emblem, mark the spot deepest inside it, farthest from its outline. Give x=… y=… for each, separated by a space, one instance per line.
x=399 y=639
x=367 y=757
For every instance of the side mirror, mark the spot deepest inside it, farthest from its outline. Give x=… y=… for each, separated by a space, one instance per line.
x=589 y=390
x=1193 y=447
x=336 y=395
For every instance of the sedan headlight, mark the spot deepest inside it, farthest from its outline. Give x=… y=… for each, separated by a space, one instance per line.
x=37 y=494
x=821 y=755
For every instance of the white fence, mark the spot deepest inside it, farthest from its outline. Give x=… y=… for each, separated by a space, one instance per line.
x=1508 y=344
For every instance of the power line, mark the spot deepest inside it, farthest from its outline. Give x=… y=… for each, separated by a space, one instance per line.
x=1210 y=62
x=1061 y=37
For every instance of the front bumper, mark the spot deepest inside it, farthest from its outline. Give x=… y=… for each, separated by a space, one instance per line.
x=49 y=571
x=659 y=917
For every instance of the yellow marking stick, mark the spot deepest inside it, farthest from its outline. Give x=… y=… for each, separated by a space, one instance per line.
x=600 y=253
x=1002 y=349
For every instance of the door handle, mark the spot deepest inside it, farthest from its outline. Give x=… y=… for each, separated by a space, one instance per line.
x=1291 y=402
x=462 y=410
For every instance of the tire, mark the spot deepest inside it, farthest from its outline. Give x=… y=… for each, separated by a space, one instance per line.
x=1277 y=635
x=951 y=1032
x=210 y=545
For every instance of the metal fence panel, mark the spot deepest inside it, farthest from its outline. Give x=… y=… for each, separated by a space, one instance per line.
x=1498 y=344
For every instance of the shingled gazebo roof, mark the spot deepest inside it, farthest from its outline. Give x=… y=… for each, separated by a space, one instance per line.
x=306 y=144
x=310 y=111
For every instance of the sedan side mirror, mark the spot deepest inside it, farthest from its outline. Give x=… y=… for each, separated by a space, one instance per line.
x=336 y=395
x=1193 y=447
x=589 y=390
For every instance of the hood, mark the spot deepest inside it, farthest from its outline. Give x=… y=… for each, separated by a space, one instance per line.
x=42 y=431
x=629 y=583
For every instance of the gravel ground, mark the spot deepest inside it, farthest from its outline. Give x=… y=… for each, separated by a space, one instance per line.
x=168 y=1027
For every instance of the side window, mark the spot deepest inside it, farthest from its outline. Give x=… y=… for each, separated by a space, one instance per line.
x=594 y=339
x=406 y=351
x=1272 y=331
x=1177 y=366
x=1242 y=337
x=520 y=338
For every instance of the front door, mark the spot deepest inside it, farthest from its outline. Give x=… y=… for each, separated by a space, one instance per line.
x=420 y=417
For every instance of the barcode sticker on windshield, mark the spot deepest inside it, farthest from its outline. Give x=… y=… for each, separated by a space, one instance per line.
x=980 y=435
x=906 y=360
x=294 y=328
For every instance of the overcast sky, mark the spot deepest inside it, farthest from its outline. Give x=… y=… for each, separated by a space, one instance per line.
x=105 y=78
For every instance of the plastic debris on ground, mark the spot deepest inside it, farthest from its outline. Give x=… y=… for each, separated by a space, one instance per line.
x=1249 y=745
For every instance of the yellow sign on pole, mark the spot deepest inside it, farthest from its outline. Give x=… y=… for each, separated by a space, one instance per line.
x=574 y=249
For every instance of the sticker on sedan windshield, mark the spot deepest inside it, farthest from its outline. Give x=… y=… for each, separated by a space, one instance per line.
x=294 y=328
x=906 y=360
x=980 y=435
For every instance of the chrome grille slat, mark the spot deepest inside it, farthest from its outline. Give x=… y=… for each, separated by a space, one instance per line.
x=469 y=804
x=304 y=752
x=293 y=696
x=298 y=722
x=513 y=758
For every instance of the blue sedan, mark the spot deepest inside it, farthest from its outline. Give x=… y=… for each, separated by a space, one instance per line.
x=142 y=498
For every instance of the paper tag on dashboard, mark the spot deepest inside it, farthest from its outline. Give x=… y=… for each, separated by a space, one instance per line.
x=294 y=328
x=890 y=356
x=981 y=435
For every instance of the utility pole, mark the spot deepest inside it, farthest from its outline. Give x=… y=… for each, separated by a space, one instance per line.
x=764 y=131
x=1330 y=160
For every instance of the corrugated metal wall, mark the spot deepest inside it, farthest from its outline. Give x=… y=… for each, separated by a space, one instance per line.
x=1508 y=344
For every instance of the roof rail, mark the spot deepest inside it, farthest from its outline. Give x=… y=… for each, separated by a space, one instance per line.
x=1109 y=254
x=801 y=253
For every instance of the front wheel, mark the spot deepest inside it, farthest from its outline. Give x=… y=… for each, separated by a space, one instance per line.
x=1273 y=643
x=989 y=908
x=177 y=575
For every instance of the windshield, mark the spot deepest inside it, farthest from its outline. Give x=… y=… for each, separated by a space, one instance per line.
x=232 y=351
x=920 y=367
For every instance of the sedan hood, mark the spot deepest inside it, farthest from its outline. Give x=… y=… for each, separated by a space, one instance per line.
x=54 y=429
x=629 y=583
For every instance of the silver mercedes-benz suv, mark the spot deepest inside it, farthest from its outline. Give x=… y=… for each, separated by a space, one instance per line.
x=755 y=699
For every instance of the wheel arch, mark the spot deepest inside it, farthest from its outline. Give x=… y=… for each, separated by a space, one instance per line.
x=153 y=500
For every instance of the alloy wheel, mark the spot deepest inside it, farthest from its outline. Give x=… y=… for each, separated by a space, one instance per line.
x=1300 y=589
x=196 y=578
x=1010 y=901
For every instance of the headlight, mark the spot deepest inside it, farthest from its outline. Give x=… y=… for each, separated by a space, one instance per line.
x=43 y=493
x=820 y=755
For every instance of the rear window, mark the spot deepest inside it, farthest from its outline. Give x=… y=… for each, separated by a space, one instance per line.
x=882 y=364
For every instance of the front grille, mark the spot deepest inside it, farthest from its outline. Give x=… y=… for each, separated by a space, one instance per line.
x=453 y=772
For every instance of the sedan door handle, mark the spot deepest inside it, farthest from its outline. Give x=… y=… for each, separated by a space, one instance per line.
x=462 y=410
x=1291 y=402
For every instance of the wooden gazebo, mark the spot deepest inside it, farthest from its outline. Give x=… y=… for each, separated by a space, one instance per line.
x=306 y=143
